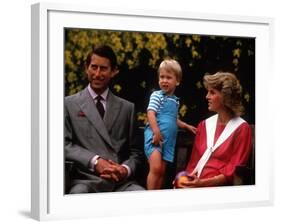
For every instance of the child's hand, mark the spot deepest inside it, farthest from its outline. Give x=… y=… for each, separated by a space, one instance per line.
x=184 y=125
x=191 y=128
x=157 y=138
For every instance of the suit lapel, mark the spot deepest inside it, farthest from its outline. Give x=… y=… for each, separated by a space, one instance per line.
x=112 y=110
x=88 y=106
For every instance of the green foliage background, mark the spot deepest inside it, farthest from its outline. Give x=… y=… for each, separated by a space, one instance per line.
x=140 y=53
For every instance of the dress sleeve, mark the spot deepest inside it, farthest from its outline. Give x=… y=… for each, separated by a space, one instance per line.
x=242 y=145
x=197 y=147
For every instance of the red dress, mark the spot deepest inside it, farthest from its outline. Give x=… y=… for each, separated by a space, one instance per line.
x=235 y=150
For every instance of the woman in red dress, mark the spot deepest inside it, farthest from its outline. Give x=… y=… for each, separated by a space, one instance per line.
x=223 y=141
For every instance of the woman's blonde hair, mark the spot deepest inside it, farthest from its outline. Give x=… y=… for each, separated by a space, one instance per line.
x=171 y=65
x=230 y=87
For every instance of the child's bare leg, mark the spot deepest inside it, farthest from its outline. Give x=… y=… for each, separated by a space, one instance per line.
x=156 y=171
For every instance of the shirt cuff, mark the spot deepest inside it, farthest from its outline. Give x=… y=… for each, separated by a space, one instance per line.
x=93 y=162
x=128 y=169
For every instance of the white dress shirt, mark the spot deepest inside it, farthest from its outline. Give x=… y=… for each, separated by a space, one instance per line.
x=103 y=101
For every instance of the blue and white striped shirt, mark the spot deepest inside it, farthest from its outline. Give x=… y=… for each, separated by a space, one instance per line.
x=157 y=98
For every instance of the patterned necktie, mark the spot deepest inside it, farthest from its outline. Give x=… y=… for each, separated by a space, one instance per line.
x=99 y=105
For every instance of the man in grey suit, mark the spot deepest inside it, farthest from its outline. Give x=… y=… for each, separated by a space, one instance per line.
x=100 y=131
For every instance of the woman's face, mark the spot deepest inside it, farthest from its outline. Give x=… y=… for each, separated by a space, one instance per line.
x=215 y=100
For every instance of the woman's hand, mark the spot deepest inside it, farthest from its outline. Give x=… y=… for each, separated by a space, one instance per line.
x=194 y=181
x=187 y=182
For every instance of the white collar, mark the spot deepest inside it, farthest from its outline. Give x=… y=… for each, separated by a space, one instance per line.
x=211 y=124
x=94 y=94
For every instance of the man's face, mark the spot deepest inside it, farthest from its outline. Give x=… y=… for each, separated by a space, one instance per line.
x=99 y=73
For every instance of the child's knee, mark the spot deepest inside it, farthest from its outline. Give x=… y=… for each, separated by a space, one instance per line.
x=157 y=170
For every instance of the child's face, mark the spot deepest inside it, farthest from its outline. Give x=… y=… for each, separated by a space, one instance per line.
x=168 y=81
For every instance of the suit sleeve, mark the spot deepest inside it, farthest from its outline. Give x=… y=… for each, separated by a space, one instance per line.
x=135 y=153
x=74 y=152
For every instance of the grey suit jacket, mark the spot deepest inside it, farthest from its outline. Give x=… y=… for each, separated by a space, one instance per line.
x=87 y=135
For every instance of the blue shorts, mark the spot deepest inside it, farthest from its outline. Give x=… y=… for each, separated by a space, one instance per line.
x=168 y=146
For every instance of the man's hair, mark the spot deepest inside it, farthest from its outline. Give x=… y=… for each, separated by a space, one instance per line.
x=230 y=87
x=103 y=51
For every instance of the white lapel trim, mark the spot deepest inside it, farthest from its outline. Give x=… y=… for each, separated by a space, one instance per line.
x=210 y=124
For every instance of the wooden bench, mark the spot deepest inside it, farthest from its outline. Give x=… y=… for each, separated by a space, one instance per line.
x=244 y=175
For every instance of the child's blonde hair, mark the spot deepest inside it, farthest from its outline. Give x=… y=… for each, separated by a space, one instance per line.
x=173 y=66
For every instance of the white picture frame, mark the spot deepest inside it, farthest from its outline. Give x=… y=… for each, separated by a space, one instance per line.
x=48 y=200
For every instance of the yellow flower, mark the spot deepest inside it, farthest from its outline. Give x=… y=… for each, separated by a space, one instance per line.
x=83 y=39
x=199 y=85
x=247 y=97
x=188 y=42
x=67 y=55
x=117 y=88
x=143 y=84
x=130 y=63
x=238 y=43
x=195 y=53
x=183 y=110
x=235 y=61
x=236 y=52
x=120 y=57
x=142 y=117
x=176 y=37
x=71 y=77
x=79 y=88
x=78 y=54
x=129 y=47
x=196 y=38
x=71 y=91
x=250 y=53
